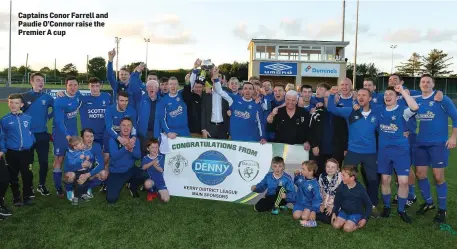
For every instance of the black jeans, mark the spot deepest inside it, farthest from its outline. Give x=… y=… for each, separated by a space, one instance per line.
x=369 y=172
x=41 y=147
x=4 y=179
x=116 y=181
x=271 y=201
x=19 y=162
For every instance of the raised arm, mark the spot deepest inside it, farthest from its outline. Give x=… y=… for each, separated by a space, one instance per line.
x=110 y=72
x=218 y=89
x=409 y=100
x=339 y=111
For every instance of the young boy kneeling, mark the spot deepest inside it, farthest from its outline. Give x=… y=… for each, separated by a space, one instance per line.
x=278 y=185
x=153 y=164
x=350 y=201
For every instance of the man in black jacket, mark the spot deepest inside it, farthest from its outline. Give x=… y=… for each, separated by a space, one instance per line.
x=328 y=136
x=291 y=123
x=192 y=95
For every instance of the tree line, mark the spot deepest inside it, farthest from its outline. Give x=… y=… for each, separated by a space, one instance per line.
x=436 y=63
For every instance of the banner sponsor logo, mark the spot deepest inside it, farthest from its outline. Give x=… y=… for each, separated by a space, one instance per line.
x=211 y=167
x=280 y=69
x=248 y=170
x=320 y=70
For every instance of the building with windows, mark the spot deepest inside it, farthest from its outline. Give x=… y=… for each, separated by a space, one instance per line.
x=297 y=61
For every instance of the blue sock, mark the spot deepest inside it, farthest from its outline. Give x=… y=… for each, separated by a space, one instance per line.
x=412 y=192
x=441 y=190
x=57 y=176
x=401 y=204
x=386 y=199
x=424 y=186
x=69 y=187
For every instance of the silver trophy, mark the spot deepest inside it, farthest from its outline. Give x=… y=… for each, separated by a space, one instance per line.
x=205 y=71
x=207 y=65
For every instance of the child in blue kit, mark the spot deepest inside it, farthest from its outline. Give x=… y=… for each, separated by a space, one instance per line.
x=279 y=187
x=308 y=197
x=17 y=142
x=153 y=164
x=78 y=161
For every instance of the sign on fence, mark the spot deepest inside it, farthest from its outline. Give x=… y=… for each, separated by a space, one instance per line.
x=221 y=170
x=53 y=92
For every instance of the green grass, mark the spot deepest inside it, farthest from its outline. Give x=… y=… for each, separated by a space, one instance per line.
x=194 y=223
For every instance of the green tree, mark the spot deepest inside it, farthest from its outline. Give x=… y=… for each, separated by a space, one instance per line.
x=372 y=70
x=436 y=63
x=97 y=67
x=363 y=69
x=239 y=70
x=69 y=70
x=22 y=69
x=46 y=70
x=412 y=67
x=225 y=69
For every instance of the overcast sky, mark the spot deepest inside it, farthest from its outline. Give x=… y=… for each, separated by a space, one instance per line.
x=181 y=31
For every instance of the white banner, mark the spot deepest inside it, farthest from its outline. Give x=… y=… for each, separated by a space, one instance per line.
x=215 y=169
x=320 y=70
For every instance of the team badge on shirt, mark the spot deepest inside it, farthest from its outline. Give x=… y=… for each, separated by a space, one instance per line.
x=26 y=123
x=375 y=100
x=430 y=103
x=279 y=183
x=394 y=117
x=310 y=187
x=177 y=99
x=373 y=119
x=43 y=102
x=103 y=103
x=250 y=106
